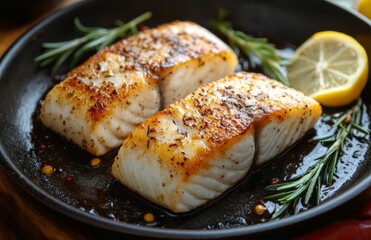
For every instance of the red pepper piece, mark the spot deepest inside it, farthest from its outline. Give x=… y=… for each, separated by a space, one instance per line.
x=349 y=229
x=366 y=211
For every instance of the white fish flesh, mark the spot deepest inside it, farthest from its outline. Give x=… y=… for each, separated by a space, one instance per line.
x=197 y=148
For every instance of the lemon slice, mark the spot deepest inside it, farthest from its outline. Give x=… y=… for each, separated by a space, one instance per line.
x=364 y=7
x=331 y=67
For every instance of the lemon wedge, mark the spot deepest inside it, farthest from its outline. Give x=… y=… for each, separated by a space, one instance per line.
x=331 y=67
x=364 y=7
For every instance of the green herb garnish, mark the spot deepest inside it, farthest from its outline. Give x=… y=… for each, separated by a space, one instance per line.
x=309 y=184
x=95 y=38
x=266 y=53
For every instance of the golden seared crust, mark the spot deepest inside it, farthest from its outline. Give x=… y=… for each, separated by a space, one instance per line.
x=149 y=52
x=152 y=51
x=106 y=63
x=92 y=85
x=168 y=45
x=215 y=116
x=201 y=138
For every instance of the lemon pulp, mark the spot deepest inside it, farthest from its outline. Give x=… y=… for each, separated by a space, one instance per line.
x=364 y=7
x=331 y=67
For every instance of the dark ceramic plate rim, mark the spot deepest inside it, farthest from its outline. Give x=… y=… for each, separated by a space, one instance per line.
x=21 y=180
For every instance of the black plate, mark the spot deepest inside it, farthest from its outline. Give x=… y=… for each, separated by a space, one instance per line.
x=94 y=197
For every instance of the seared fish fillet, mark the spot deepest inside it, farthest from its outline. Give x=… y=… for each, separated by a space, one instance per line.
x=103 y=100
x=182 y=55
x=197 y=148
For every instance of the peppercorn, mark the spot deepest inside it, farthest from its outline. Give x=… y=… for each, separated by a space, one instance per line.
x=260 y=209
x=48 y=170
x=149 y=217
x=95 y=162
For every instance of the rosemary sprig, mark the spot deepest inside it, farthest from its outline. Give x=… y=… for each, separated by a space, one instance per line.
x=266 y=53
x=309 y=184
x=95 y=38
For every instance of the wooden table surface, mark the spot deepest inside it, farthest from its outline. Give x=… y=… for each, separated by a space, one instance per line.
x=22 y=217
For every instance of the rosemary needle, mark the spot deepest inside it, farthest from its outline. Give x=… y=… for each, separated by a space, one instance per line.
x=95 y=38
x=308 y=185
x=269 y=59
